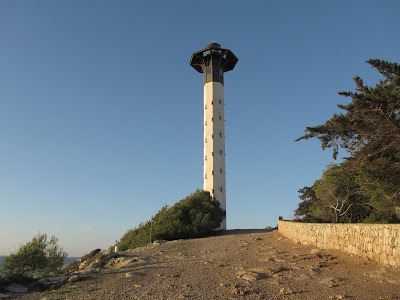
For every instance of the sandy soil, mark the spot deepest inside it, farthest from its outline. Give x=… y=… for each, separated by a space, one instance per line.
x=238 y=265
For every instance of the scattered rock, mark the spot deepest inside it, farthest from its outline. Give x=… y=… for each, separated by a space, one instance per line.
x=97 y=263
x=159 y=242
x=83 y=265
x=120 y=262
x=268 y=259
x=86 y=271
x=285 y=291
x=53 y=281
x=330 y=282
x=238 y=290
x=134 y=274
x=249 y=276
x=315 y=251
x=74 y=278
x=16 y=289
x=266 y=274
x=275 y=270
x=144 y=258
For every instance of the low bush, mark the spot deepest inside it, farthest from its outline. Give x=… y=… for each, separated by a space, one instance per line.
x=198 y=215
x=39 y=257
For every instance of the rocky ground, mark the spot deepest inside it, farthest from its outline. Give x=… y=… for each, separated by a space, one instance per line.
x=238 y=265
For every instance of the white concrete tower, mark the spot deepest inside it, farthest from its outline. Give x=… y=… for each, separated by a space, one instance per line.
x=213 y=61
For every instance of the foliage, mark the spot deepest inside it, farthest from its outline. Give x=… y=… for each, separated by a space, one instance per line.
x=303 y=213
x=40 y=257
x=340 y=196
x=334 y=198
x=197 y=215
x=308 y=196
x=369 y=131
x=137 y=237
x=371 y=123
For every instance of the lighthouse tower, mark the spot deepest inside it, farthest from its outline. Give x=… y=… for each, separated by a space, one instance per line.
x=213 y=61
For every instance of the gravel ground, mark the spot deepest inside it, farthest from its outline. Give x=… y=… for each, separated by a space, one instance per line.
x=240 y=264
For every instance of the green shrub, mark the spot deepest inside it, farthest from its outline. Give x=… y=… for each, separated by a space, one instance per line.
x=197 y=215
x=134 y=238
x=39 y=257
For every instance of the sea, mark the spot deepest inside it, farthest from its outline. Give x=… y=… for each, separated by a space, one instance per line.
x=67 y=260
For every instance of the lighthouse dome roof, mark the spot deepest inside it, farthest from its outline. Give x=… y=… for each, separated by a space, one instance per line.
x=213 y=45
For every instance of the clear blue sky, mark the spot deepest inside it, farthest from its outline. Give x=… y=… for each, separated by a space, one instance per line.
x=101 y=114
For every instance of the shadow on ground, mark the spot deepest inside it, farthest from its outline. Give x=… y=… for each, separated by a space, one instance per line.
x=244 y=231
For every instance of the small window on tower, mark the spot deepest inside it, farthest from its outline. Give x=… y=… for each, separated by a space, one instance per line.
x=212 y=172
x=220 y=188
x=212 y=153
x=205 y=140
x=220 y=134
x=219 y=101
x=212 y=191
x=205 y=106
x=205 y=123
x=205 y=176
x=205 y=157
x=212 y=119
x=220 y=117
x=212 y=102
x=220 y=170
x=212 y=136
x=220 y=152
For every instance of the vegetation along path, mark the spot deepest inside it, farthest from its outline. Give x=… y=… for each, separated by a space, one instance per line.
x=241 y=264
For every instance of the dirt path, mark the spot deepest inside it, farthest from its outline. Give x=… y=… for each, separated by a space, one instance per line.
x=238 y=265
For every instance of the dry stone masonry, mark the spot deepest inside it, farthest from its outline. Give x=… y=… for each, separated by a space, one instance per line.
x=378 y=242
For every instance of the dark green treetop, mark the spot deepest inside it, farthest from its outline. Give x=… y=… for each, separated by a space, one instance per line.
x=369 y=130
x=197 y=215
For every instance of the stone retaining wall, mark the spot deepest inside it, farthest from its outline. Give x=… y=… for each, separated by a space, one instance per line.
x=379 y=242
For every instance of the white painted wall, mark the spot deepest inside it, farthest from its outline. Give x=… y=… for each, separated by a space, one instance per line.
x=214 y=143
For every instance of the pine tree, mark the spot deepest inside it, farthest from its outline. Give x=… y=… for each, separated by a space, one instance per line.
x=369 y=131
